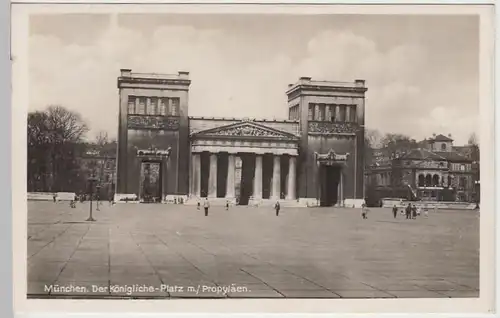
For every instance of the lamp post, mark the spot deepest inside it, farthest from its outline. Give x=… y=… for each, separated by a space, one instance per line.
x=97 y=187
x=91 y=181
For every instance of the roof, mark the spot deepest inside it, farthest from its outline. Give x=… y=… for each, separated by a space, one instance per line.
x=441 y=137
x=423 y=154
x=453 y=156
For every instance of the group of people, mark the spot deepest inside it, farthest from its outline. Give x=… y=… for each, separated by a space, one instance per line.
x=206 y=206
x=411 y=211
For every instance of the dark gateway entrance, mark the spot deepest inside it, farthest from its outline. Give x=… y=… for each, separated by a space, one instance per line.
x=150 y=182
x=247 y=175
x=329 y=184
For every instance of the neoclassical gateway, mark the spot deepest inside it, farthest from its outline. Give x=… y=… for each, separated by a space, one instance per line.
x=313 y=158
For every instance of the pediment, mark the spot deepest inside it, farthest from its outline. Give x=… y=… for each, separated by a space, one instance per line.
x=246 y=130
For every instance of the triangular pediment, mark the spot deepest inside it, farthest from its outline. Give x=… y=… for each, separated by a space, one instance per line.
x=245 y=130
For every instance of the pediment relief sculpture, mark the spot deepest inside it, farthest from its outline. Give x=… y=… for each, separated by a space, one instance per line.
x=246 y=130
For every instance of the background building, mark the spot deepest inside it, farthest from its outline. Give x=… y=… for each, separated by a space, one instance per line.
x=435 y=171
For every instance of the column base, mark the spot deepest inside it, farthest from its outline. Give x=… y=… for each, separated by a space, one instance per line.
x=353 y=203
x=308 y=202
x=175 y=199
x=272 y=202
x=125 y=198
x=193 y=201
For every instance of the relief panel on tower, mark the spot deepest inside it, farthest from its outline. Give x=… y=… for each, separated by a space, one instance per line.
x=332 y=119
x=153 y=113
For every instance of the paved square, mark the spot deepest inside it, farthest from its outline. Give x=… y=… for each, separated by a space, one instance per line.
x=171 y=251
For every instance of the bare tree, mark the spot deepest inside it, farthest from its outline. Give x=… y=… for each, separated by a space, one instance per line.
x=54 y=141
x=397 y=144
x=373 y=140
x=102 y=138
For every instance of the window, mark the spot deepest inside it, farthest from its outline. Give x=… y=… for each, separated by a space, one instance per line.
x=428 y=180
x=173 y=109
x=321 y=111
x=316 y=113
x=328 y=115
x=163 y=106
x=310 y=114
x=131 y=105
x=462 y=167
x=150 y=106
x=354 y=116
x=462 y=182
x=443 y=147
x=333 y=112
x=341 y=113
x=435 y=180
x=421 y=180
x=142 y=106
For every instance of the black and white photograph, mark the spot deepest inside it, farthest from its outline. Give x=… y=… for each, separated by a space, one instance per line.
x=253 y=156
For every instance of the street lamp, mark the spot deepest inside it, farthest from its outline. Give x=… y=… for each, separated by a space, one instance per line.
x=97 y=187
x=91 y=181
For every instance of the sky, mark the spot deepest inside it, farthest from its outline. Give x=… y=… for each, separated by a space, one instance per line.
x=422 y=72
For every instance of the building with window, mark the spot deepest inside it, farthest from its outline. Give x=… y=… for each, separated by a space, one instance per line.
x=101 y=164
x=435 y=172
x=315 y=157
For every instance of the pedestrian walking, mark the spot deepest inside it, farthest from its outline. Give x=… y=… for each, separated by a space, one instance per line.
x=414 y=212
x=395 y=210
x=227 y=205
x=198 y=205
x=277 y=208
x=364 y=211
x=206 y=205
x=408 y=211
x=54 y=197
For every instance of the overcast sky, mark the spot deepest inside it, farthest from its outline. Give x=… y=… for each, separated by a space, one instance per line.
x=421 y=71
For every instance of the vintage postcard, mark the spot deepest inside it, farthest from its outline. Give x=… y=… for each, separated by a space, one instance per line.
x=240 y=158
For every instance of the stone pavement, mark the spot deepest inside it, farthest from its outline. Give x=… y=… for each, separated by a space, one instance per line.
x=170 y=251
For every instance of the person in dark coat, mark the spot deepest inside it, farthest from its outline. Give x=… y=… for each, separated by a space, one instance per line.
x=395 y=211
x=414 y=211
x=277 y=208
x=408 y=211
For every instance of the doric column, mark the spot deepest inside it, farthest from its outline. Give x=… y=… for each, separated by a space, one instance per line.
x=196 y=177
x=212 y=178
x=316 y=112
x=337 y=113
x=276 y=186
x=257 y=180
x=291 y=178
x=347 y=113
x=169 y=106
x=136 y=105
x=230 y=177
